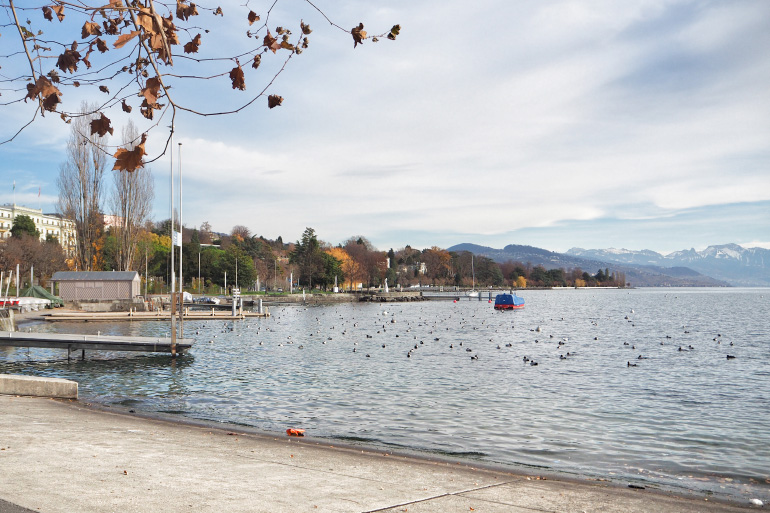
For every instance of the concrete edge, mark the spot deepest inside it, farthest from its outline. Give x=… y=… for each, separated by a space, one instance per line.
x=38 y=387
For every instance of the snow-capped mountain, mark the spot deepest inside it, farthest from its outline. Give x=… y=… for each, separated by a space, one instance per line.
x=644 y=275
x=729 y=262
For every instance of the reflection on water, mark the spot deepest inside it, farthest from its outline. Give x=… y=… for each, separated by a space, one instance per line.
x=633 y=385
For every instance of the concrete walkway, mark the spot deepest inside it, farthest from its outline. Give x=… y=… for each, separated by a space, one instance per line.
x=59 y=456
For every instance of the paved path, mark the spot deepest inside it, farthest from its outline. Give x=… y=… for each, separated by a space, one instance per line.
x=59 y=456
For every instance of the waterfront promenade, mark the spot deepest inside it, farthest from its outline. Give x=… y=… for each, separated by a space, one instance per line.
x=62 y=456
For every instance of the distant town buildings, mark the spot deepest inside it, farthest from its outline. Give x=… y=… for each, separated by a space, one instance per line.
x=112 y=221
x=49 y=225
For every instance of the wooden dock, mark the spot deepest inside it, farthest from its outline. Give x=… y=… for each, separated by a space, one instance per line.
x=73 y=342
x=149 y=316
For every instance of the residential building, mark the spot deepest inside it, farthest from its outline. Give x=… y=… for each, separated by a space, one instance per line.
x=54 y=225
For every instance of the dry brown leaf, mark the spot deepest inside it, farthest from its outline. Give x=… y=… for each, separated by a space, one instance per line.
x=151 y=90
x=170 y=30
x=48 y=93
x=47 y=13
x=50 y=102
x=101 y=45
x=90 y=29
x=101 y=126
x=59 y=10
x=257 y=61
x=192 y=46
x=274 y=100
x=68 y=61
x=305 y=28
x=104 y=89
x=253 y=17
x=111 y=26
x=147 y=109
x=126 y=107
x=130 y=160
x=184 y=11
x=359 y=34
x=219 y=12
x=146 y=19
x=236 y=75
x=125 y=38
x=270 y=42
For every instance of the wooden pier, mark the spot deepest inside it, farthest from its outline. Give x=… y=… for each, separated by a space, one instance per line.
x=73 y=342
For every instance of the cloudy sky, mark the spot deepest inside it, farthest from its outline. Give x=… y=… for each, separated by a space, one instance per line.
x=634 y=124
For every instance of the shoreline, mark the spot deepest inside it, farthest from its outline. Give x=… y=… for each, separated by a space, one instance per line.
x=54 y=451
x=395 y=440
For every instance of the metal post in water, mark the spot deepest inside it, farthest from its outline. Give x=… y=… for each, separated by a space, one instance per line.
x=173 y=271
x=181 y=233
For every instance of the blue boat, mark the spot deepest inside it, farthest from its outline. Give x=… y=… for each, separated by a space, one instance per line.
x=508 y=302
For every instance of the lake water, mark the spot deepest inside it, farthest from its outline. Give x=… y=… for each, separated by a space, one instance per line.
x=401 y=377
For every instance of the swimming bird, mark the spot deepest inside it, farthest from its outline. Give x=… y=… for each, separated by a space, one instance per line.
x=632 y=364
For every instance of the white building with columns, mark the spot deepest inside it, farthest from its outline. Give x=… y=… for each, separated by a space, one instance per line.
x=54 y=225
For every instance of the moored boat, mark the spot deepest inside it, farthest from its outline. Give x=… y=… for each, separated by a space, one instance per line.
x=508 y=302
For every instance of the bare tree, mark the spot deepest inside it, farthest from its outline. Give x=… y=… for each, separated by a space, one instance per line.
x=131 y=203
x=28 y=251
x=205 y=233
x=240 y=231
x=80 y=184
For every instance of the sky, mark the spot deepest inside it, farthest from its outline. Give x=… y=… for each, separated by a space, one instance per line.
x=558 y=124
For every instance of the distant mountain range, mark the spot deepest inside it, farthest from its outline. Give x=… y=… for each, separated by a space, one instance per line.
x=716 y=266
x=732 y=263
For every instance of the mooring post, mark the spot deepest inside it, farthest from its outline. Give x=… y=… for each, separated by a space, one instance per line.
x=83 y=355
x=173 y=324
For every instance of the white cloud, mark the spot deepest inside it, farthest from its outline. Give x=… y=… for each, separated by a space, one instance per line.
x=486 y=119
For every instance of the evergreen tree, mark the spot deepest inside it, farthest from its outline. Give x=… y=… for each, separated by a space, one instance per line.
x=23 y=225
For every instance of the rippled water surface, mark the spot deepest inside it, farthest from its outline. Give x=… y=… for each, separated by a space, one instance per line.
x=686 y=418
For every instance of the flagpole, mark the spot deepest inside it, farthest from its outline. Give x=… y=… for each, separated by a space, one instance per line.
x=181 y=234
x=173 y=273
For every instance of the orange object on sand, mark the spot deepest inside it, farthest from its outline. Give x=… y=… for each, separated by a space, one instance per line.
x=295 y=432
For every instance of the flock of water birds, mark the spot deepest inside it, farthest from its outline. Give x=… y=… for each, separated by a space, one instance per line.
x=453 y=331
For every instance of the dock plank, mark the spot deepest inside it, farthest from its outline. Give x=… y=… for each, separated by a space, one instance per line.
x=92 y=342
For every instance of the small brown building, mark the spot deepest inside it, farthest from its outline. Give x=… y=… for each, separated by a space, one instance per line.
x=79 y=285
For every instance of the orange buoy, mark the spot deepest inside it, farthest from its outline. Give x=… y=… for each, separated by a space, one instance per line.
x=455 y=301
x=295 y=432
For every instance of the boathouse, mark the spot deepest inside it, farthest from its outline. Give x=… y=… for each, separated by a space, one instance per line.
x=100 y=285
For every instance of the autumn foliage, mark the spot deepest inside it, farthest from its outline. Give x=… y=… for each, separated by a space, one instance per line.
x=127 y=51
